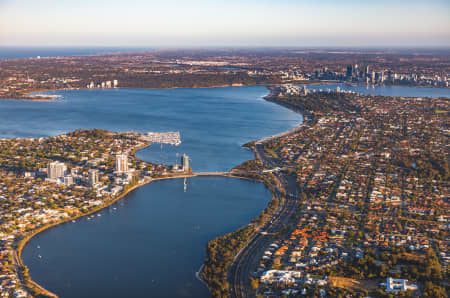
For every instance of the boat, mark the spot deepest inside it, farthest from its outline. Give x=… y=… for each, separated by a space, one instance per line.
x=38 y=246
x=99 y=214
x=39 y=256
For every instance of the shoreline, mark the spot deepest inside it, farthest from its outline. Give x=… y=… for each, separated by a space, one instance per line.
x=198 y=276
x=32 y=286
x=27 y=96
x=21 y=243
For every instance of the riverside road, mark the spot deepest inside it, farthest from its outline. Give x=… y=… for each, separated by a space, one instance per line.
x=246 y=261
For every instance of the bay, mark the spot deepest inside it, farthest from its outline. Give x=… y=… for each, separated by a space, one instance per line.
x=151 y=245
x=214 y=123
x=154 y=241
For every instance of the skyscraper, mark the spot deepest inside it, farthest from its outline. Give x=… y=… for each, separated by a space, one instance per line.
x=56 y=170
x=93 y=177
x=349 y=71
x=355 y=71
x=185 y=162
x=122 y=163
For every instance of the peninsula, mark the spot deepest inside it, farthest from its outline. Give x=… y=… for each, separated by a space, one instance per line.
x=360 y=203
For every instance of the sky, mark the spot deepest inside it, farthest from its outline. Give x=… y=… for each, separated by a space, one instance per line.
x=244 y=23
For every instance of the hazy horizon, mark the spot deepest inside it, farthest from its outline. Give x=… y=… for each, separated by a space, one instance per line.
x=245 y=23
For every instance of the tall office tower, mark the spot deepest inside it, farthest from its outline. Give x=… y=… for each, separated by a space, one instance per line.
x=93 y=177
x=122 y=163
x=373 y=77
x=316 y=74
x=377 y=76
x=389 y=75
x=382 y=77
x=355 y=71
x=185 y=162
x=367 y=70
x=56 y=169
x=349 y=71
x=116 y=83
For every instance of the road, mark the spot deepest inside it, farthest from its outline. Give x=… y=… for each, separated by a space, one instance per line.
x=246 y=261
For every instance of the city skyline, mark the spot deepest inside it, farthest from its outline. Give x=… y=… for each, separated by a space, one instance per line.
x=202 y=23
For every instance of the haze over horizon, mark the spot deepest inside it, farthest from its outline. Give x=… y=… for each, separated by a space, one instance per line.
x=246 y=23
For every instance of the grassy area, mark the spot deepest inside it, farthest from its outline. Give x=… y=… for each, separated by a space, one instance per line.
x=271 y=152
x=351 y=284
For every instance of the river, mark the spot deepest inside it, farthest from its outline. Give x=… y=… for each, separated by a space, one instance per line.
x=153 y=240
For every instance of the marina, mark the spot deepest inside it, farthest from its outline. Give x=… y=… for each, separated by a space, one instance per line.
x=170 y=138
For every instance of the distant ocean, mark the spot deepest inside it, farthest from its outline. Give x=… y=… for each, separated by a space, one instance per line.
x=7 y=52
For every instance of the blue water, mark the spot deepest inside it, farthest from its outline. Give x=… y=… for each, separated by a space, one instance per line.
x=9 y=52
x=153 y=243
x=150 y=246
x=214 y=123
x=387 y=90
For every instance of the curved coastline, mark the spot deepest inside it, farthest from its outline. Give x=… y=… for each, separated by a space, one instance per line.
x=37 y=289
x=28 y=96
x=28 y=282
x=21 y=244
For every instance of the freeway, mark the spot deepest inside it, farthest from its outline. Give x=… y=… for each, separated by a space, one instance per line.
x=246 y=261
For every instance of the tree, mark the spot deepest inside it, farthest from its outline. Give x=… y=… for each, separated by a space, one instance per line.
x=254 y=283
